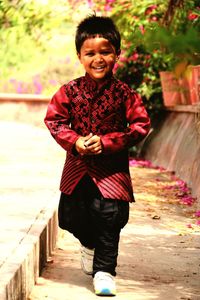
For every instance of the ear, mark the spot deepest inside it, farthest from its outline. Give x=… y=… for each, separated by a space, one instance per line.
x=118 y=53
x=79 y=56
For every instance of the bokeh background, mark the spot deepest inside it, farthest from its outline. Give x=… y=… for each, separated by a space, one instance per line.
x=37 y=52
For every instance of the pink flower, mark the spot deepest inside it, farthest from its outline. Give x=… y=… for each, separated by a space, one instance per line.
x=140 y=163
x=148 y=56
x=182 y=187
x=169 y=187
x=116 y=66
x=37 y=85
x=189 y=226
x=142 y=29
x=134 y=57
x=187 y=200
x=90 y=3
x=20 y=88
x=123 y=59
x=133 y=163
x=154 y=19
x=197 y=213
x=150 y=9
x=198 y=222
x=52 y=82
x=107 y=7
x=160 y=168
x=192 y=16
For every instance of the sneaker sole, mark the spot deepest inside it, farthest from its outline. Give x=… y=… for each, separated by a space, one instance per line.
x=105 y=292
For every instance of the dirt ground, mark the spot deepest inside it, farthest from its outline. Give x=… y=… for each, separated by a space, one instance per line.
x=159 y=248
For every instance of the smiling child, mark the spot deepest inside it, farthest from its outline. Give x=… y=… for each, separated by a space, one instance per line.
x=96 y=119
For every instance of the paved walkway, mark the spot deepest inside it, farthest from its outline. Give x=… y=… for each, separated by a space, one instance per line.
x=30 y=169
x=159 y=252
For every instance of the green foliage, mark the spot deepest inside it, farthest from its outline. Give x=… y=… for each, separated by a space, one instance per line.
x=178 y=37
x=139 y=66
x=184 y=46
x=156 y=35
x=26 y=27
x=37 y=38
x=35 y=56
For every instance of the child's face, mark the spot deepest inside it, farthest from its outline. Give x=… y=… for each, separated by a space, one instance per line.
x=98 y=57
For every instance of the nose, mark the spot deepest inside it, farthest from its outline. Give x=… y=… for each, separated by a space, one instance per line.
x=98 y=57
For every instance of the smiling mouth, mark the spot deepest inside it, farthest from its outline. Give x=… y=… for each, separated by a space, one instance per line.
x=99 y=68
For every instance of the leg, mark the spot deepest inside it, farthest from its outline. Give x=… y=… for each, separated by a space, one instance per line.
x=108 y=217
x=73 y=212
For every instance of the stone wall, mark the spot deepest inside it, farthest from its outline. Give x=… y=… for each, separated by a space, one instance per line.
x=24 y=110
x=174 y=144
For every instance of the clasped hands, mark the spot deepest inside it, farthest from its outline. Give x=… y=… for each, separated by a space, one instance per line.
x=89 y=145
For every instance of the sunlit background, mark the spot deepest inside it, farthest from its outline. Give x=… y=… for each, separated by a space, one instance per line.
x=37 y=52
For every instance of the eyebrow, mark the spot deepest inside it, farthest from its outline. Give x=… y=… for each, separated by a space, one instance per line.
x=101 y=49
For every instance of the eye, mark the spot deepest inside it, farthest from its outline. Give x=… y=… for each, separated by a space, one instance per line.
x=89 y=53
x=106 y=52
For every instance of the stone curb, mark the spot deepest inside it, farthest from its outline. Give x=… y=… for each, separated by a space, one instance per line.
x=29 y=98
x=20 y=271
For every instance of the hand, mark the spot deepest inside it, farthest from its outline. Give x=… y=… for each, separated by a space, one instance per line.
x=89 y=145
x=93 y=145
x=80 y=144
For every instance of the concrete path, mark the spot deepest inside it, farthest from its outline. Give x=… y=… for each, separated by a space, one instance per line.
x=159 y=254
x=30 y=166
x=159 y=250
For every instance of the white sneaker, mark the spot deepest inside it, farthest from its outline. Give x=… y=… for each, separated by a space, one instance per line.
x=104 y=284
x=87 y=256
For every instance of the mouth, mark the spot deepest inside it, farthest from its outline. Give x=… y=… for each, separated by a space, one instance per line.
x=100 y=68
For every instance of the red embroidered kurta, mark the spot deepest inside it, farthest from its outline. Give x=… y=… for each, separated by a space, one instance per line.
x=114 y=112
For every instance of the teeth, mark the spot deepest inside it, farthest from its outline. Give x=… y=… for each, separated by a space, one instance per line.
x=98 y=68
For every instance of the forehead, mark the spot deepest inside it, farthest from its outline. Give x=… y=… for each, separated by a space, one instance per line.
x=96 y=42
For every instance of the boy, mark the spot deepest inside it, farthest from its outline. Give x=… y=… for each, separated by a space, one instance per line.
x=96 y=118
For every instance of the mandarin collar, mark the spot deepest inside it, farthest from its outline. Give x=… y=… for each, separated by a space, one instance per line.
x=92 y=85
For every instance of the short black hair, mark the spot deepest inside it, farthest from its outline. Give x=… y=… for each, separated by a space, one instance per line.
x=93 y=26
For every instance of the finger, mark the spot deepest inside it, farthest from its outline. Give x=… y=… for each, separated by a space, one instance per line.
x=92 y=140
x=93 y=144
x=98 y=152
x=88 y=137
x=93 y=147
x=97 y=149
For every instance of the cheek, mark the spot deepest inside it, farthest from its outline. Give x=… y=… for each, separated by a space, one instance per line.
x=84 y=61
x=111 y=61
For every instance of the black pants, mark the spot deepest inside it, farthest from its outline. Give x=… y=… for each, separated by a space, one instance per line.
x=95 y=221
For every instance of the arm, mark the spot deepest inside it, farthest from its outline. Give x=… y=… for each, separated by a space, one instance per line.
x=138 y=127
x=57 y=120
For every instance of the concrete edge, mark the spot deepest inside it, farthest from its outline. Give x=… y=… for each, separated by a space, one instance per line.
x=29 y=98
x=19 y=273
